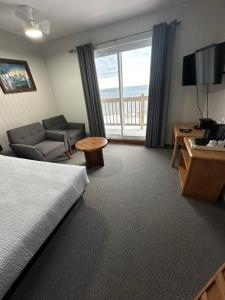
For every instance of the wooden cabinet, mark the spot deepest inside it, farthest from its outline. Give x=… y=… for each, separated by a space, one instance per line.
x=202 y=173
x=215 y=288
x=178 y=136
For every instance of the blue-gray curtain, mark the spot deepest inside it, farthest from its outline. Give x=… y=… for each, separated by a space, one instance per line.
x=86 y=60
x=161 y=64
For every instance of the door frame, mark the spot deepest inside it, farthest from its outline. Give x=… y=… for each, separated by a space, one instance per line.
x=118 y=49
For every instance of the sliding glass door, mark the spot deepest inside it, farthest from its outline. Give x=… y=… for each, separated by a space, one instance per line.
x=110 y=92
x=123 y=75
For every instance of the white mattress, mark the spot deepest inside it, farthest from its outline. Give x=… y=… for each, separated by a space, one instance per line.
x=34 y=197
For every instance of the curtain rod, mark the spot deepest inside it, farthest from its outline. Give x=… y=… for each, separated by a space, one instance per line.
x=121 y=38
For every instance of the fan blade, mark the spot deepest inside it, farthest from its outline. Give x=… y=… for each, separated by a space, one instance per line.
x=24 y=13
x=33 y=18
x=22 y=16
x=39 y=16
x=44 y=26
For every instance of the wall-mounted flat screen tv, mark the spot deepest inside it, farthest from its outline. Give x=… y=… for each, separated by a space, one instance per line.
x=205 y=66
x=189 y=70
x=209 y=65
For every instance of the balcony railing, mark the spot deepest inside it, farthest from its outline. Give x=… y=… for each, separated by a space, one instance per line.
x=134 y=110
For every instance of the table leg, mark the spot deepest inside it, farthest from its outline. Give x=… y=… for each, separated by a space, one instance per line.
x=172 y=142
x=174 y=153
x=70 y=149
x=67 y=154
x=94 y=158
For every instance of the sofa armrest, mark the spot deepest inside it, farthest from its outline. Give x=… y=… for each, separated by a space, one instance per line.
x=76 y=125
x=58 y=136
x=55 y=135
x=27 y=151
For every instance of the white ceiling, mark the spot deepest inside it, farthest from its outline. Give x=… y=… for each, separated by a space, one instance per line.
x=72 y=16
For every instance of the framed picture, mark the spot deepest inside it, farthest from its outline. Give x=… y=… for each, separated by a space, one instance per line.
x=15 y=76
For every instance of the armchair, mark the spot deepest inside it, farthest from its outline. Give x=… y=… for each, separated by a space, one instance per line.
x=34 y=142
x=74 y=131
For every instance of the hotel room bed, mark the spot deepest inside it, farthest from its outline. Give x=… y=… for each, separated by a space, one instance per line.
x=34 y=197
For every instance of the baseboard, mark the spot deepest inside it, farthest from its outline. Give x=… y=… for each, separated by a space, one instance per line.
x=126 y=141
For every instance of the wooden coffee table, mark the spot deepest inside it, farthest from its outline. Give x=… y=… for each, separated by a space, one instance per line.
x=92 y=148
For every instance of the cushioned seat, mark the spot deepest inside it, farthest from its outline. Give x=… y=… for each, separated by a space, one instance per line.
x=75 y=134
x=50 y=149
x=34 y=142
x=74 y=131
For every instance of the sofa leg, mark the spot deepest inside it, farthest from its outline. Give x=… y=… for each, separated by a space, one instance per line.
x=67 y=154
x=70 y=150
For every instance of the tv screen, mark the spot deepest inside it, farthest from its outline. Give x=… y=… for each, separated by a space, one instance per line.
x=189 y=70
x=210 y=64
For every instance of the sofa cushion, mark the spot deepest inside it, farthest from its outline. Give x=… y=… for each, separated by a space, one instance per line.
x=75 y=134
x=49 y=148
x=55 y=123
x=27 y=135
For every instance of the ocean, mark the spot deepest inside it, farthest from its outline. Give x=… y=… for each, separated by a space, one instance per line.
x=128 y=91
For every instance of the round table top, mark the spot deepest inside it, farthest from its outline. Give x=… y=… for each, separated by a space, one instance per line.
x=91 y=143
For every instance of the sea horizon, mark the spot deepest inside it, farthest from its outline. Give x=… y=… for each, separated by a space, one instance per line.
x=128 y=91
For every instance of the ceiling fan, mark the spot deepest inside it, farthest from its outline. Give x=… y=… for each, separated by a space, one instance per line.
x=36 y=24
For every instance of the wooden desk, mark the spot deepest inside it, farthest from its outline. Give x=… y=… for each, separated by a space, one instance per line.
x=215 y=288
x=202 y=173
x=178 y=137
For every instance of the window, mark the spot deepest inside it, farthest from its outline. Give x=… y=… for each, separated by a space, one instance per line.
x=123 y=76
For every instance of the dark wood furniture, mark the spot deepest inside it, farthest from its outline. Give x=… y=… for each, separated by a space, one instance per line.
x=178 y=137
x=92 y=148
x=202 y=173
x=215 y=288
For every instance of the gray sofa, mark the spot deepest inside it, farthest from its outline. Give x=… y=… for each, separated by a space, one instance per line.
x=34 y=142
x=74 y=131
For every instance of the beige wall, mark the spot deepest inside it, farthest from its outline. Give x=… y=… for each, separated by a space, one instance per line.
x=66 y=81
x=59 y=87
x=202 y=23
x=23 y=108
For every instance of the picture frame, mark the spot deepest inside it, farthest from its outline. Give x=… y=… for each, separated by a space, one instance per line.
x=15 y=76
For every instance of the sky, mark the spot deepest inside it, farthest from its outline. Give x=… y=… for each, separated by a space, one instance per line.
x=135 y=68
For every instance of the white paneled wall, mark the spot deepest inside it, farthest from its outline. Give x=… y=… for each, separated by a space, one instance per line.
x=23 y=108
x=202 y=23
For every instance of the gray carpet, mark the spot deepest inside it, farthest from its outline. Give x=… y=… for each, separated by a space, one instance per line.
x=132 y=237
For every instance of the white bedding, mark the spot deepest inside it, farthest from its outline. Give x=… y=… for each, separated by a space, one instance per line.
x=34 y=197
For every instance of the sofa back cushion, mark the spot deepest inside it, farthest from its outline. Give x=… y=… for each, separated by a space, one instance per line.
x=55 y=123
x=31 y=134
